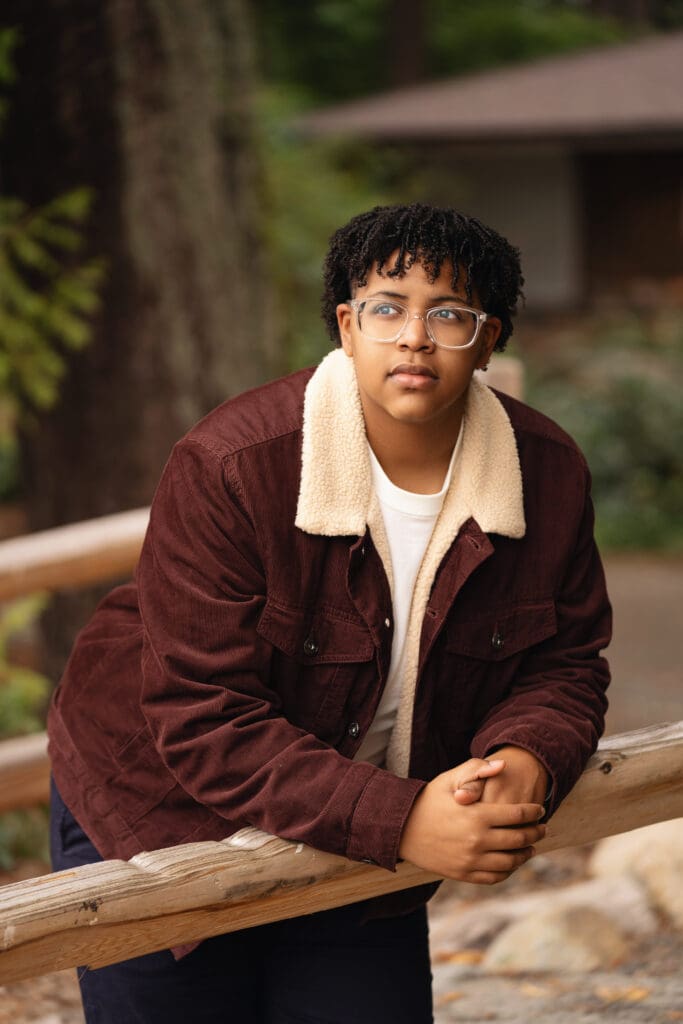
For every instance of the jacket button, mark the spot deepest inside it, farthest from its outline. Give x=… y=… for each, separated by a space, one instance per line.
x=387 y=623
x=497 y=642
x=353 y=730
x=310 y=646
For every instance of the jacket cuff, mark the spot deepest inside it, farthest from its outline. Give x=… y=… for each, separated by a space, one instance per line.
x=379 y=818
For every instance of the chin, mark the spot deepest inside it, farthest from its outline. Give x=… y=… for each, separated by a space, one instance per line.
x=416 y=416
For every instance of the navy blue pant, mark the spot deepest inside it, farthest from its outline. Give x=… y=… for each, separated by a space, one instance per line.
x=325 y=968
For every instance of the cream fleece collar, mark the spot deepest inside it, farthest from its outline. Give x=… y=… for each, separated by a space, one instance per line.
x=335 y=497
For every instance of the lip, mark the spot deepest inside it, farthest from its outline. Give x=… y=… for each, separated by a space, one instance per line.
x=416 y=370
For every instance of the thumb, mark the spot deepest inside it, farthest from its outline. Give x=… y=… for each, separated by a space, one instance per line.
x=469 y=792
x=471 y=779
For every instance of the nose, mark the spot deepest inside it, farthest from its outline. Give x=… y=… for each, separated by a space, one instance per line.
x=415 y=335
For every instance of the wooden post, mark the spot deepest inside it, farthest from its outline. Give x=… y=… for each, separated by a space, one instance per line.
x=108 y=912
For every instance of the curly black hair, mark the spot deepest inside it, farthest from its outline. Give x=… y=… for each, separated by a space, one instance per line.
x=428 y=235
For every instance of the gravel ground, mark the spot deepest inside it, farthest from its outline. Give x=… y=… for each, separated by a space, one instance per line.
x=646 y=988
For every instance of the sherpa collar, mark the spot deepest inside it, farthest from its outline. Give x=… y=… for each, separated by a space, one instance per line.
x=335 y=498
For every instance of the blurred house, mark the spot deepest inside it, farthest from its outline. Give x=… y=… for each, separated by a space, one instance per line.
x=577 y=159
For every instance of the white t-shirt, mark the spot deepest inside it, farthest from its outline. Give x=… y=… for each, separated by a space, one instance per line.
x=408 y=520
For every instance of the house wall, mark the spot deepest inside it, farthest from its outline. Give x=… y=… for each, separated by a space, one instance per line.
x=531 y=197
x=633 y=219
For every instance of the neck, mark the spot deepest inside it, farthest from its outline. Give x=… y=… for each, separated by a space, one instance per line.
x=415 y=456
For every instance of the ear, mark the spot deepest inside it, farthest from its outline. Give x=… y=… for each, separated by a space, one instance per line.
x=344 y=320
x=490 y=333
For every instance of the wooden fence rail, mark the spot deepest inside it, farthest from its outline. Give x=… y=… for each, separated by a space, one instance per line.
x=108 y=912
x=72 y=556
x=24 y=772
x=66 y=556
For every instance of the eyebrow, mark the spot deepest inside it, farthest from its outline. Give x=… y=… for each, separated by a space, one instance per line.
x=433 y=301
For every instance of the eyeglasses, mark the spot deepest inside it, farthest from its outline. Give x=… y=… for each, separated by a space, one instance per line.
x=448 y=326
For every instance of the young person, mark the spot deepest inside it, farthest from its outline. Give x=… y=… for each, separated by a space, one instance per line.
x=367 y=617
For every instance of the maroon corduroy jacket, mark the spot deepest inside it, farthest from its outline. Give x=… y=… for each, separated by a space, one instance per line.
x=232 y=683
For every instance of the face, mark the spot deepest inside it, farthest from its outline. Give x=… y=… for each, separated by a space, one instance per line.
x=411 y=380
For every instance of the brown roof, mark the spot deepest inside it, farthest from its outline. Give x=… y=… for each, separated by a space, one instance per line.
x=629 y=89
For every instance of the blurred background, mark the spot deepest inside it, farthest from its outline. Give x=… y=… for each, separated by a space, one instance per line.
x=171 y=174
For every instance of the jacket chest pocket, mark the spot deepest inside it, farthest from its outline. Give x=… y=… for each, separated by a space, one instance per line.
x=318 y=662
x=483 y=657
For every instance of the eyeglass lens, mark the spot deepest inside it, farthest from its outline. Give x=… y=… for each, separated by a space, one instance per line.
x=450 y=326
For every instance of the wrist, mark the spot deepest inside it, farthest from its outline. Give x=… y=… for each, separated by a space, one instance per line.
x=519 y=759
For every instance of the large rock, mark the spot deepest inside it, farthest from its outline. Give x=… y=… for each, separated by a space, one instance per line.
x=654 y=855
x=558 y=939
x=465 y=926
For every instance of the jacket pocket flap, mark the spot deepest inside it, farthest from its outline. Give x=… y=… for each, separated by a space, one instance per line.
x=315 y=640
x=497 y=636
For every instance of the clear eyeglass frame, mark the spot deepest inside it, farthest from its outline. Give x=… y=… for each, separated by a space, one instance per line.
x=480 y=318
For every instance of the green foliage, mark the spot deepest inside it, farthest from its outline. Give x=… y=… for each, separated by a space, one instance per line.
x=24 y=835
x=337 y=49
x=616 y=388
x=23 y=695
x=47 y=291
x=324 y=48
x=465 y=37
x=23 y=692
x=311 y=188
x=46 y=296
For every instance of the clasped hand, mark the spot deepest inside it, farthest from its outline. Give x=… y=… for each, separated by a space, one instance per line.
x=478 y=822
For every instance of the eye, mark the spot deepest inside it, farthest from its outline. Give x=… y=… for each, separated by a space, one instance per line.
x=384 y=308
x=451 y=314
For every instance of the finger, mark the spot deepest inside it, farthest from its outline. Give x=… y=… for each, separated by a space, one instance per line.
x=469 y=792
x=505 y=862
x=467 y=776
x=478 y=768
x=515 y=838
x=510 y=815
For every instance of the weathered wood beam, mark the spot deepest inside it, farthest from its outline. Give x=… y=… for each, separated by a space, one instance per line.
x=24 y=772
x=108 y=912
x=72 y=556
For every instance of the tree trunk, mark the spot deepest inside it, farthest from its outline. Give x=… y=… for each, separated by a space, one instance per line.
x=407 y=21
x=148 y=102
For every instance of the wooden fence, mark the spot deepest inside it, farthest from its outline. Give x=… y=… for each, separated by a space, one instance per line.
x=65 y=557
x=107 y=912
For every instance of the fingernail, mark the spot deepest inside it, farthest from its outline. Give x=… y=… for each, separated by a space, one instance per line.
x=498 y=761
